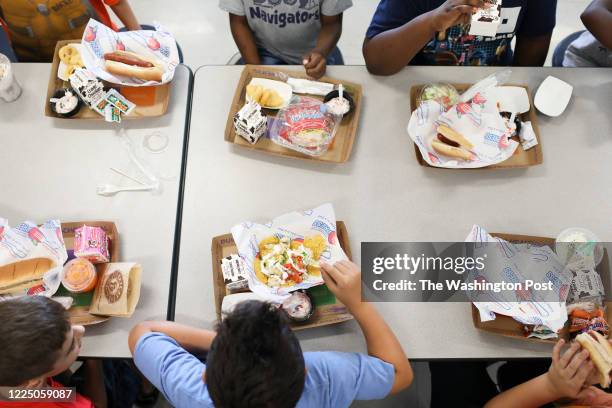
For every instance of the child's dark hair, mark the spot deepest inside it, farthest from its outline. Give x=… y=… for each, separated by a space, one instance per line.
x=32 y=333
x=255 y=360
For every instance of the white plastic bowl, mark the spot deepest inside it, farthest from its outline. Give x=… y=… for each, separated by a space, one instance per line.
x=553 y=96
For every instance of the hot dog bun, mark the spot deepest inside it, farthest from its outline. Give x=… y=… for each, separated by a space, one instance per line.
x=455 y=137
x=451 y=151
x=22 y=275
x=600 y=352
x=153 y=73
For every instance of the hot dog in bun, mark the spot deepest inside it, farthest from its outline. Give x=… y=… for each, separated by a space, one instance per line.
x=19 y=276
x=600 y=352
x=451 y=143
x=129 y=64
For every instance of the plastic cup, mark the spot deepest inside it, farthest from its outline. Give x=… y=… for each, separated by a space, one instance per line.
x=80 y=276
x=576 y=244
x=10 y=90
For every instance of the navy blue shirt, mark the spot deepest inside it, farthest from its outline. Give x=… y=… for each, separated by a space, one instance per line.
x=526 y=18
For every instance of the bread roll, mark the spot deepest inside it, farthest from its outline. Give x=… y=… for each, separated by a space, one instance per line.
x=600 y=352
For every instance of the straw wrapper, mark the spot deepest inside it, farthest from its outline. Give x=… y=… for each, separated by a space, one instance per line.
x=27 y=241
x=520 y=262
x=160 y=45
x=476 y=117
x=320 y=220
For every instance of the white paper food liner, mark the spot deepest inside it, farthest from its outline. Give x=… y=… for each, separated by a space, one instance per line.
x=526 y=263
x=28 y=240
x=476 y=117
x=479 y=123
x=320 y=220
x=99 y=39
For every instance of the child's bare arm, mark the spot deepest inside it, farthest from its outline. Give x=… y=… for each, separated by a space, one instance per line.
x=93 y=387
x=597 y=18
x=531 y=51
x=534 y=393
x=389 y=52
x=124 y=12
x=567 y=377
x=331 y=29
x=190 y=338
x=244 y=38
x=344 y=280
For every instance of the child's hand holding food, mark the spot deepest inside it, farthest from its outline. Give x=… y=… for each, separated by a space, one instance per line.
x=453 y=12
x=568 y=373
x=344 y=280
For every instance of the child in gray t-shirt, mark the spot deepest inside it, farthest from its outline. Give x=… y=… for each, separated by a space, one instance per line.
x=278 y=32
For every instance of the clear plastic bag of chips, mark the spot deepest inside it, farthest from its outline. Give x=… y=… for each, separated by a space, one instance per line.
x=305 y=125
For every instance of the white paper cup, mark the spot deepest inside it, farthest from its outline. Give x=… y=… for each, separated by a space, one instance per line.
x=10 y=90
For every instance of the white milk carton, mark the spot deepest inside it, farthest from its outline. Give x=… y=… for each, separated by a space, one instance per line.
x=250 y=123
x=486 y=21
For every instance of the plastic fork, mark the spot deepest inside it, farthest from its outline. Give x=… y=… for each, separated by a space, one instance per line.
x=110 y=189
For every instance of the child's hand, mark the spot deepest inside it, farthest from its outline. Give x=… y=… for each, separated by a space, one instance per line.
x=454 y=12
x=568 y=374
x=344 y=280
x=315 y=64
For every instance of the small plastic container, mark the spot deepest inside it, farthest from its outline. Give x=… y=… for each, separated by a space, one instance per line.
x=443 y=93
x=80 y=276
x=335 y=94
x=299 y=307
x=65 y=103
x=575 y=243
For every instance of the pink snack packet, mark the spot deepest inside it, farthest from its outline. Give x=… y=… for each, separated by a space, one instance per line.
x=91 y=243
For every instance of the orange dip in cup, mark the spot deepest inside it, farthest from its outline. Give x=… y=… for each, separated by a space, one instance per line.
x=79 y=276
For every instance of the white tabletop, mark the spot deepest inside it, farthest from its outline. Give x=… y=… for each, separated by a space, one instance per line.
x=51 y=167
x=382 y=194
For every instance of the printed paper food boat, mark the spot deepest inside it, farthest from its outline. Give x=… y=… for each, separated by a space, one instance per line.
x=297 y=226
x=159 y=45
x=31 y=258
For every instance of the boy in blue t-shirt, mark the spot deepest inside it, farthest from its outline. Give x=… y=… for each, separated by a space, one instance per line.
x=436 y=32
x=255 y=360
